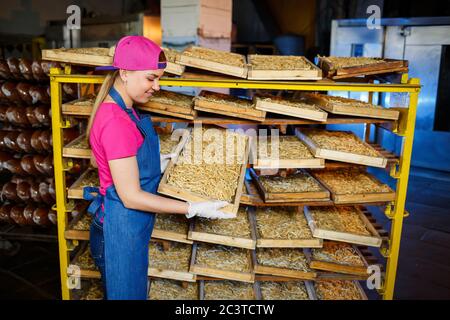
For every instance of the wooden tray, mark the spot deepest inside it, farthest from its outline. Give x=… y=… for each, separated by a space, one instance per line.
x=74 y=234
x=308 y=285
x=297 y=163
x=75 y=269
x=203 y=63
x=204 y=284
x=371 y=197
x=285 y=74
x=220 y=273
x=170 y=235
x=285 y=243
x=360 y=290
x=350 y=107
x=333 y=72
x=76 y=189
x=178 y=193
x=168 y=108
x=338 y=267
x=82 y=56
x=330 y=154
x=322 y=195
x=75 y=152
x=223 y=238
x=282 y=271
x=165 y=272
x=279 y=105
x=172 y=66
x=226 y=109
x=181 y=289
x=373 y=240
x=75 y=108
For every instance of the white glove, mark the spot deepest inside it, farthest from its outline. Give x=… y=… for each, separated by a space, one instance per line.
x=165 y=159
x=208 y=209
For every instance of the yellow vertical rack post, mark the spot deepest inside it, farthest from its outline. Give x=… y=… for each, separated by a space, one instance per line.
x=404 y=128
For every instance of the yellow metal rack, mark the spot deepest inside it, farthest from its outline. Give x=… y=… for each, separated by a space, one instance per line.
x=404 y=127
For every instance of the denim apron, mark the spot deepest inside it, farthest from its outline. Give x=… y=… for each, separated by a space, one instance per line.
x=122 y=253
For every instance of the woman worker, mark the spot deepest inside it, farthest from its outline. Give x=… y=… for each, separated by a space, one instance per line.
x=125 y=149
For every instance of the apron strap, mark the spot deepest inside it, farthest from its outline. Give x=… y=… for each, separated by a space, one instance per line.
x=115 y=95
x=97 y=200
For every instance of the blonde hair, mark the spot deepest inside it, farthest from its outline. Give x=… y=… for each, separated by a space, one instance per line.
x=102 y=94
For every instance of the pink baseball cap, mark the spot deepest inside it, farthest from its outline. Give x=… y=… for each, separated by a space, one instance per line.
x=137 y=53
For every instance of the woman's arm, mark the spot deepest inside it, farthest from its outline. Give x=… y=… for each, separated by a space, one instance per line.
x=125 y=175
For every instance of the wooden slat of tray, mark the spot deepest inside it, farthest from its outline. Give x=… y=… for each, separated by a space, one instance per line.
x=374 y=197
x=374 y=240
x=89 y=59
x=323 y=195
x=171 y=236
x=339 y=268
x=284 y=243
x=74 y=269
x=240 y=72
x=283 y=109
x=73 y=234
x=246 y=243
x=168 y=109
x=173 y=191
x=329 y=154
x=76 y=189
x=69 y=151
x=221 y=274
x=231 y=111
x=259 y=74
x=70 y=108
x=282 y=272
x=174 y=68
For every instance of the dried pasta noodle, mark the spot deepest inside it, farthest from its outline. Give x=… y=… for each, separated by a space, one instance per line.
x=91 y=179
x=267 y=62
x=281 y=223
x=226 y=100
x=171 y=222
x=222 y=257
x=172 y=55
x=85 y=260
x=165 y=289
x=167 y=144
x=299 y=182
x=237 y=227
x=346 y=62
x=84 y=223
x=173 y=98
x=176 y=258
x=289 y=258
x=337 y=290
x=300 y=103
x=94 y=291
x=289 y=290
x=341 y=219
x=218 y=56
x=228 y=290
x=290 y=148
x=338 y=252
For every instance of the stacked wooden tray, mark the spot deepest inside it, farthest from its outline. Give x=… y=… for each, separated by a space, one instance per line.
x=228 y=105
x=293 y=188
x=171 y=227
x=350 y=107
x=78 y=148
x=342 y=146
x=190 y=177
x=347 y=67
x=80 y=107
x=352 y=185
x=166 y=289
x=89 y=178
x=81 y=56
x=171 y=103
x=291 y=153
x=286 y=290
x=214 y=60
x=173 y=67
x=299 y=108
x=339 y=290
x=228 y=290
x=283 y=227
x=83 y=264
x=270 y=67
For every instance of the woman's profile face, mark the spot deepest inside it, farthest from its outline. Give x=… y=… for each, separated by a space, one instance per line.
x=140 y=85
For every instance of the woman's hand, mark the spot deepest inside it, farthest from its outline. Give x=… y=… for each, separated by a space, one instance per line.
x=208 y=209
x=164 y=160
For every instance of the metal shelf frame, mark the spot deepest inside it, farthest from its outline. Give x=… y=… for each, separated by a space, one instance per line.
x=404 y=128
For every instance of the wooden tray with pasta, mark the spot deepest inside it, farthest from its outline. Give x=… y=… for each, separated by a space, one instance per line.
x=228 y=290
x=350 y=107
x=87 y=178
x=339 y=290
x=78 y=228
x=83 y=56
x=167 y=289
x=170 y=262
x=237 y=232
x=347 y=67
x=352 y=186
x=173 y=67
x=90 y=289
x=290 y=154
x=172 y=104
x=283 y=227
x=342 y=146
x=227 y=105
x=189 y=177
x=232 y=64
x=286 y=290
x=283 y=262
x=338 y=257
x=79 y=107
x=83 y=264
x=171 y=227
x=78 y=148
x=345 y=224
x=222 y=262
x=298 y=187
x=272 y=67
x=298 y=108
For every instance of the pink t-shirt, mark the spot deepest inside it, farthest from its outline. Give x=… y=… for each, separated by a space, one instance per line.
x=113 y=136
